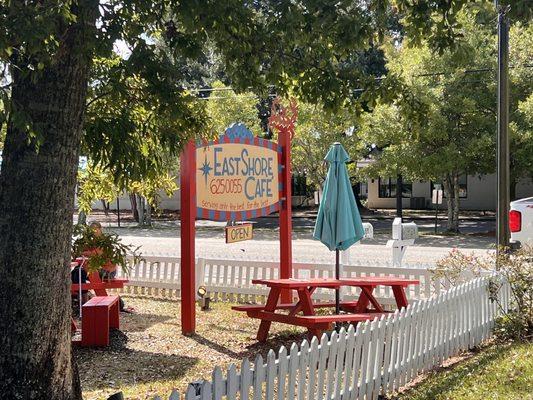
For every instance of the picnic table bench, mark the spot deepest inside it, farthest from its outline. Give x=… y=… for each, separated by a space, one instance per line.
x=356 y=311
x=99 y=315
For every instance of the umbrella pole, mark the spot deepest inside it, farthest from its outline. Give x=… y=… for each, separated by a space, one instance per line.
x=337 y=276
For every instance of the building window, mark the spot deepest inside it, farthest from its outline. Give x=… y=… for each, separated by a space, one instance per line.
x=362 y=190
x=387 y=188
x=463 y=186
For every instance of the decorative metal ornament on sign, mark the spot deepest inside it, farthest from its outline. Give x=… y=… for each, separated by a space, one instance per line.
x=237 y=176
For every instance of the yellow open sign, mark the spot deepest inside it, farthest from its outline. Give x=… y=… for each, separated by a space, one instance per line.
x=239 y=233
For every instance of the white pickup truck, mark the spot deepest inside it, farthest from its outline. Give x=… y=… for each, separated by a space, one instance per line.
x=521 y=221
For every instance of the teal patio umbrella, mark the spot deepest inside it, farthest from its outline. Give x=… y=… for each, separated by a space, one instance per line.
x=338 y=223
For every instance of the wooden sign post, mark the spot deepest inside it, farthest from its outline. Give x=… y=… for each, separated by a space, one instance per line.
x=234 y=178
x=283 y=119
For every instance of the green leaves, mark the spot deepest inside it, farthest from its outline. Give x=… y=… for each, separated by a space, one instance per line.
x=443 y=120
x=102 y=249
x=316 y=130
x=225 y=107
x=139 y=116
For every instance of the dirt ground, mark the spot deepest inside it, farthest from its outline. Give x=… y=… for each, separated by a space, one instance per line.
x=150 y=356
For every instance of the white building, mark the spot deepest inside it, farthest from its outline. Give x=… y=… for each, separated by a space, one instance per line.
x=476 y=193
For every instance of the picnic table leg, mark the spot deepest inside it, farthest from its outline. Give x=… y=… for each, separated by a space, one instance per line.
x=306 y=305
x=400 y=297
x=298 y=307
x=368 y=291
x=362 y=303
x=270 y=306
x=94 y=277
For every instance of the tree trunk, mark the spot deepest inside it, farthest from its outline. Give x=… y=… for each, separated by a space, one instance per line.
x=455 y=213
x=448 y=190
x=82 y=218
x=512 y=188
x=148 y=215
x=140 y=209
x=451 y=189
x=36 y=205
x=133 y=201
x=105 y=206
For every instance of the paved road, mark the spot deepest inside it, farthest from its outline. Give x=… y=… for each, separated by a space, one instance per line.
x=384 y=225
x=265 y=246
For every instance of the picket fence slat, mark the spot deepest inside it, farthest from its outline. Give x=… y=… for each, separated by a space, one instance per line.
x=302 y=369
x=330 y=382
x=293 y=366
x=323 y=356
x=271 y=371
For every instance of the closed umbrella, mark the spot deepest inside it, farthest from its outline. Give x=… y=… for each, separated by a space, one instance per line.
x=338 y=223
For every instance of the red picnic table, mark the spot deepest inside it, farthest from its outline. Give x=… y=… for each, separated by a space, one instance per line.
x=356 y=311
x=98 y=285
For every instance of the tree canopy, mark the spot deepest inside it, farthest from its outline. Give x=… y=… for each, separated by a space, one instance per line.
x=443 y=123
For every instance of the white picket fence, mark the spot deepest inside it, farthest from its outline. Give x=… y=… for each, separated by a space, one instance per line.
x=377 y=357
x=231 y=280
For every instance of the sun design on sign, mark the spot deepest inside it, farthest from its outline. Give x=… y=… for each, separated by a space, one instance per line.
x=206 y=169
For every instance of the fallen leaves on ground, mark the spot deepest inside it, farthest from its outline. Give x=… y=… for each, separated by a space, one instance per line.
x=149 y=356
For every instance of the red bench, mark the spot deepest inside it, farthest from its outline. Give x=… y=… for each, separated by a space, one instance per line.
x=99 y=314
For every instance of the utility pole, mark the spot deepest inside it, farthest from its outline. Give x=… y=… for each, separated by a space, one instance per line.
x=502 y=228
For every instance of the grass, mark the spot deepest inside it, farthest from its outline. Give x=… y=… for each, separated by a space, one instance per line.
x=496 y=372
x=150 y=356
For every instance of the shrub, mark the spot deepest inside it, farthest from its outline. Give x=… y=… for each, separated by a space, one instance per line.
x=517 y=269
x=103 y=248
x=515 y=323
x=458 y=267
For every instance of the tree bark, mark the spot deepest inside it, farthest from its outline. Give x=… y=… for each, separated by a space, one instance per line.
x=148 y=215
x=512 y=188
x=105 y=206
x=451 y=189
x=133 y=201
x=448 y=191
x=140 y=209
x=455 y=219
x=37 y=184
x=82 y=218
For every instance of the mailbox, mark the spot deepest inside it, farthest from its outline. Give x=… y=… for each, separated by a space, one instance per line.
x=404 y=231
x=409 y=231
x=369 y=230
x=403 y=235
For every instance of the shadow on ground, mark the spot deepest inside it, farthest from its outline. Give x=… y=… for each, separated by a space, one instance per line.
x=119 y=366
x=283 y=338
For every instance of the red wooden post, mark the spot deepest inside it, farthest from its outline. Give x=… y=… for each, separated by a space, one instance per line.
x=283 y=119
x=285 y=214
x=188 y=217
